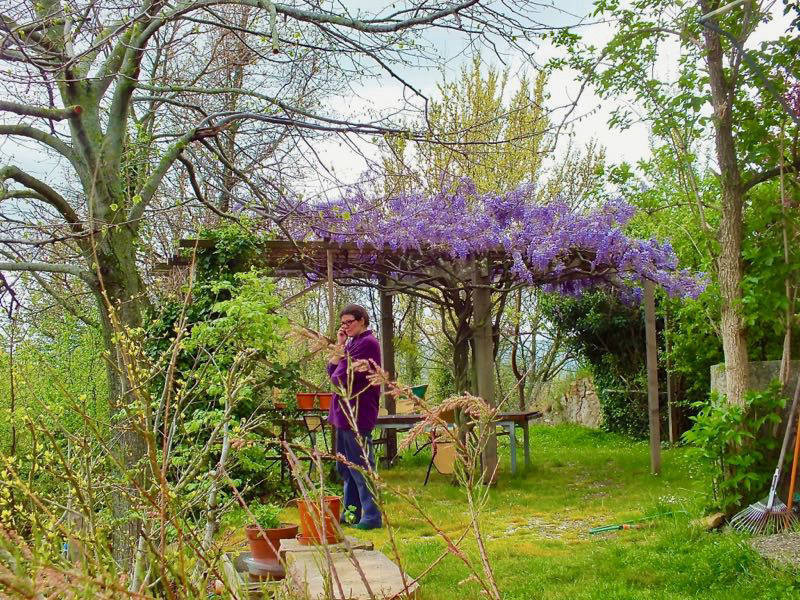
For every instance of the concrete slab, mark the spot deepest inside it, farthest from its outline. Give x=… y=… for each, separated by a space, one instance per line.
x=292 y=545
x=308 y=576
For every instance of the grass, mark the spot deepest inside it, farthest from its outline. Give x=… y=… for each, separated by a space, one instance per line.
x=537 y=526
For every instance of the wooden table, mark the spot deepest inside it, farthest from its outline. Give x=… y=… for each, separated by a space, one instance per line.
x=507 y=420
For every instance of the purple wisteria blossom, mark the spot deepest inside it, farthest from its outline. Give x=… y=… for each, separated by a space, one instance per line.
x=793 y=98
x=550 y=245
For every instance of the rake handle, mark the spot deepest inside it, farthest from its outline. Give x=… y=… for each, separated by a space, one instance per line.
x=794 y=466
x=785 y=443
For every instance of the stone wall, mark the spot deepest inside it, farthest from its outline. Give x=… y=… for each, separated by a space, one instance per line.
x=761 y=374
x=578 y=404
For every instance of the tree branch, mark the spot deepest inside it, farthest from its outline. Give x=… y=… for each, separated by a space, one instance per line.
x=383 y=25
x=43 y=267
x=151 y=185
x=63 y=301
x=128 y=67
x=56 y=114
x=127 y=75
x=48 y=195
x=198 y=192
x=369 y=26
x=769 y=174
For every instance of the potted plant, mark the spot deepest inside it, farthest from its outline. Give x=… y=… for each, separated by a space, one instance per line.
x=316 y=528
x=266 y=533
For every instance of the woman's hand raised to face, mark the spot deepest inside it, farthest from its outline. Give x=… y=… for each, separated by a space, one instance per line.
x=341 y=335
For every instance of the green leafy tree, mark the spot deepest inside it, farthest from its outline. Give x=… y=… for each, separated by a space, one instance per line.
x=715 y=98
x=234 y=310
x=609 y=336
x=473 y=132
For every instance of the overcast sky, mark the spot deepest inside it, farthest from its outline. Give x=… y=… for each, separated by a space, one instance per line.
x=383 y=94
x=593 y=114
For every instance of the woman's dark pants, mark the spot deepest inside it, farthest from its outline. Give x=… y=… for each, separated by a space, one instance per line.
x=357 y=491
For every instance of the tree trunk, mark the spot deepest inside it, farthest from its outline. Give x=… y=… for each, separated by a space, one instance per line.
x=734 y=341
x=484 y=363
x=121 y=302
x=518 y=374
x=461 y=370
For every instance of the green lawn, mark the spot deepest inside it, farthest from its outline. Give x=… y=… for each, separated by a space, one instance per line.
x=536 y=524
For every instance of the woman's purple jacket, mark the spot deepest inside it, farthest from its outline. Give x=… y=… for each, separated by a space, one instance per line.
x=364 y=398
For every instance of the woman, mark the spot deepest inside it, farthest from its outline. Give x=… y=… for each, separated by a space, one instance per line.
x=353 y=416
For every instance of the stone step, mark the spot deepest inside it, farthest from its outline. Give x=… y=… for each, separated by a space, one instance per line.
x=310 y=576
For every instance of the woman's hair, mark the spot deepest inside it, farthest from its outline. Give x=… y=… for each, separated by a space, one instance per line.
x=355 y=311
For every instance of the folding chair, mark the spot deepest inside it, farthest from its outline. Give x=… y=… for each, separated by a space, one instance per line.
x=403 y=406
x=443 y=454
x=443 y=448
x=315 y=425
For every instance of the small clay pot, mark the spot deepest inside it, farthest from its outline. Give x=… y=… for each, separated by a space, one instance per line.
x=325 y=400
x=305 y=401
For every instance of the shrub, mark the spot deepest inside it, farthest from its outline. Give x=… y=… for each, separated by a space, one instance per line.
x=735 y=444
x=268 y=516
x=623 y=401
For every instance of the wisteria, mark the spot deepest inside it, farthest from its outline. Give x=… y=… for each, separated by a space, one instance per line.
x=550 y=245
x=793 y=98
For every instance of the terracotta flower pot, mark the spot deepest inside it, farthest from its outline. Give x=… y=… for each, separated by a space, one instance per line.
x=305 y=401
x=259 y=546
x=325 y=400
x=310 y=520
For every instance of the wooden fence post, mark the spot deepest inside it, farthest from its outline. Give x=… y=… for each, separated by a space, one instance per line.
x=333 y=324
x=652 y=376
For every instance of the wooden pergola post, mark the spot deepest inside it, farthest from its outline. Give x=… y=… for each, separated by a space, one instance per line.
x=484 y=359
x=652 y=376
x=332 y=324
x=387 y=360
x=672 y=413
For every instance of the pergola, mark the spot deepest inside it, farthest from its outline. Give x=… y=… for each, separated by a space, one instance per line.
x=393 y=271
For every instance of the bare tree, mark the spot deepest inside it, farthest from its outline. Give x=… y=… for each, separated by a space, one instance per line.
x=101 y=86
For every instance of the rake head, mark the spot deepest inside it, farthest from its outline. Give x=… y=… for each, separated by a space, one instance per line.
x=759 y=518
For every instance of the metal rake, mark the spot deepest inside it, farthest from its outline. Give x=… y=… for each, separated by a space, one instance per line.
x=771 y=515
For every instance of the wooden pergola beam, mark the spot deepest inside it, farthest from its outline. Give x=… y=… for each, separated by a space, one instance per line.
x=326 y=260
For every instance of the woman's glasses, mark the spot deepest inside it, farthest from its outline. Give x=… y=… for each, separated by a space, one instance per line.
x=348 y=322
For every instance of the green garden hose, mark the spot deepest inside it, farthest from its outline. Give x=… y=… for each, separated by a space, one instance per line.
x=635 y=524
